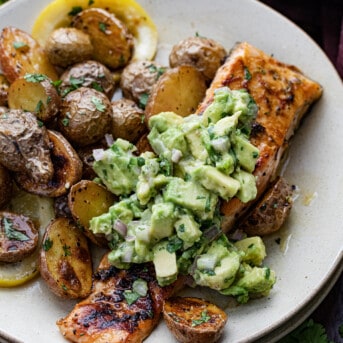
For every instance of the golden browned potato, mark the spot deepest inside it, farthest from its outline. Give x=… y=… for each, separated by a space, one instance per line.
x=18 y=237
x=271 y=210
x=86 y=200
x=179 y=90
x=127 y=120
x=67 y=169
x=21 y=54
x=24 y=145
x=111 y=40
x=66 y=46
x=65 y=260
x=204 y=54
x=137 y=80
x=4 y=85
x=6 y=186
x=193 y=320
x=90 y=74
x=85 y=116
x=34 y=93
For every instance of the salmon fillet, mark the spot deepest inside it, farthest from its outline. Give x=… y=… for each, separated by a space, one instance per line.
x=106 y=317
x=283 y=95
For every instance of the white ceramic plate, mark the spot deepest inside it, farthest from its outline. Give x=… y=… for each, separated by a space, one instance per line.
x=311 y=242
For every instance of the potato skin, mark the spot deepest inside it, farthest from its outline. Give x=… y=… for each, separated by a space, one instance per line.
x=6 y=186
x=4 y=85
x=85 y=116
x=67 y=45
x=204 y=54
x=65 y=260
x=14 y=249
x=193 y=320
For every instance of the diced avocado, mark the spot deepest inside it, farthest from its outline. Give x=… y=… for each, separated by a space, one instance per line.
x=142 y=251
x=215 y=181
x=164 y=121
x=254 y=250
x=101 y=224
x=122 y=211
x=165 y=264
x=226 y=125
x=192 y=196
x=246 y=153
x=122 y=256
x=248 y=190
x=226 y=163
x=162 y=220
x=188 y=230
x=196 y=145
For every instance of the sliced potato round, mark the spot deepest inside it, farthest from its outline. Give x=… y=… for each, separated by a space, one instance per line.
x=178 y=90
x=59 y=14
x=65 y=260
x=86 y=200
x=21 y=54
x=193 y=320
x=67 y=169
x=36 y=95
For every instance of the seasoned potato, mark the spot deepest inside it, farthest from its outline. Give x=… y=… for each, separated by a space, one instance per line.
x=90 y=74
x=67 y=169
x=179 y=90
x=112 y=42
x=204 y=54
x=6 y=186
x=86 y=200
x=21 y=54
x=137 y=80
x=86 y=155
x=61 y=208
x=143 y=144
x=34 y=93
x=271 y=210
x=193 y=320
x=4 y=85
x=18 y=237
x=127 y=120
x=85 y=116
x=66 y=46
x=65 y=260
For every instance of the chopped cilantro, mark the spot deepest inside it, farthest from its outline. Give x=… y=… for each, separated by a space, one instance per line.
x=143 y=99
x=40 y=123
x=13 y=234
x=65 y=121
x=174 y=244
x=35 y=77
x=76 y=82
x=203 y=319
x=75 y=10
x=39 y=106
x=98 y=104
x=64 y=287
x=102 y=26
x=56 y=83
x=97 y=86
x=19 y=45
x=47 y=244
x=247 y=75
x=90 y=2
x=66 y=249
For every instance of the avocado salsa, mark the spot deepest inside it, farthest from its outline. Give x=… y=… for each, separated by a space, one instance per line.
x=168 y=208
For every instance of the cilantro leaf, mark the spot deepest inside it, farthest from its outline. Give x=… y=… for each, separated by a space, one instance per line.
x=19 y=45
x=35 y=77
x=13 y=234
x=75 y=10
x=203 y=319
x=47 y=244
x=98 y=104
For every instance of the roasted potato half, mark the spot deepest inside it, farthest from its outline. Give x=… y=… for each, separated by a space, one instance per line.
x=86 y=200
x=193 y=320
x=179 y=90
x=34 y=93
x=143 y=144
x=6 y=186
x=65 y=260
x=67 y=169
x=4 y=85
x=112 y=42
x=21 y=54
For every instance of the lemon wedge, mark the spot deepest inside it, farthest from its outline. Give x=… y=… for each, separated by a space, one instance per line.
x=141 y=26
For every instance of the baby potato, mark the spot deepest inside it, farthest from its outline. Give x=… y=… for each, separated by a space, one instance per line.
x=6 y=186
x=65 y=260
x=85 y=116
x=143 y=144
x=127 y=120
x=4 y=85
x=91 y=74
x=66 y=46
x=112 y=42
x=193 y=320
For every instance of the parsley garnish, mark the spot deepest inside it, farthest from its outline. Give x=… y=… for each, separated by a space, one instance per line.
x=57 y=83
x=66 y=249
x=65 y=121
x=154 y=69
x=97 y=86
x=35 y=77
x=40 y=123
x=143 y=99
x=98 y=104
x=247 y=75
x=75 y=82
x=75 y=10
x=174 y=244
x=90 y=2
x=102 y=27
x=13 y=234
x=19 y=45
x=203 y=319
x=39 y=106
x=47 y=244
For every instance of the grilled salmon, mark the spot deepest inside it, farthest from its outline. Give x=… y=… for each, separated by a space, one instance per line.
x=106 y=316
x=283 y=95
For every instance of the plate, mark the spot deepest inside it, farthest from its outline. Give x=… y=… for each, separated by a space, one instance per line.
x=311 y=241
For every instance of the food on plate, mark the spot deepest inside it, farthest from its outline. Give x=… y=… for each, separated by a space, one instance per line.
x=34 y=93
x=24 y=145
x=65 y=260
x=67 y=45
x=18 y=237
x=137 y=80
x=179 y=90
x=4 y=85
x=6 y=186
x=283 y=95
x=271 y=211
x=143 y=144
x=204 y=54
x=194 y=320
x=61 y=207
x=127 y=120
x=124 y=306
x=21 y=54
x=67 y=169
x=90 y=74
x=85 y=116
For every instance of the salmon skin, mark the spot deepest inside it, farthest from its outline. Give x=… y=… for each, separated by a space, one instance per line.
x=283 y=95
x=105 y=315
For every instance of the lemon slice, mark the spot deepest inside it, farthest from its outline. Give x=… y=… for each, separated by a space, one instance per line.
x=139 y=23
x=41 y=211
